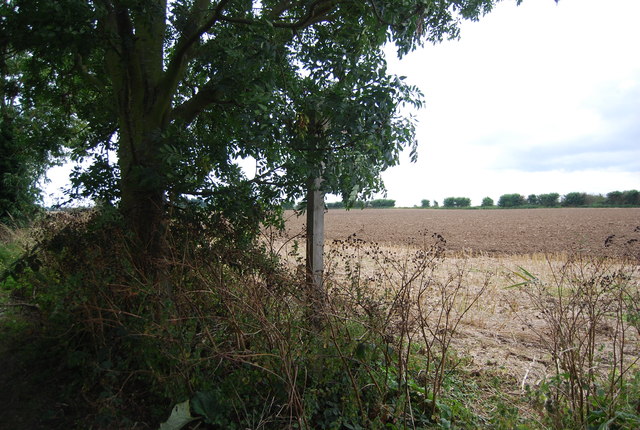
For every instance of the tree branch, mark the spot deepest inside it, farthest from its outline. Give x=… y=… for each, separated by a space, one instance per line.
x=318 y=10
x=88 y=77
x=279 y=9
x=178 y=62
x=376 y=12
x=190 y=109
x=258 y=179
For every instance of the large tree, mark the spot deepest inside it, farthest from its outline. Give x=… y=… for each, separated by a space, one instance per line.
x=180 y=89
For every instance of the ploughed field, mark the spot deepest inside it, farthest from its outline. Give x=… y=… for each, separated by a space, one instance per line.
x=596 y=231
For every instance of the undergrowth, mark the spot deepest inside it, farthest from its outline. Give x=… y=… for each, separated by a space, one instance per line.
x=234 y=344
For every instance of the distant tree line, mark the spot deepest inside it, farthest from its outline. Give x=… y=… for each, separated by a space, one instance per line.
x=544 y=200
x=360 y=204
x=549 y=200
x=456 y=202
x=574 y=199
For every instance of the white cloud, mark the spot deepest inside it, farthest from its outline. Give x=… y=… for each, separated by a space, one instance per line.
x=532 y=99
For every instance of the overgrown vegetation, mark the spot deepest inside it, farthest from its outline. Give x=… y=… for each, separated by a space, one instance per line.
x=590 y=331
x=236 y=340
x=233 y=338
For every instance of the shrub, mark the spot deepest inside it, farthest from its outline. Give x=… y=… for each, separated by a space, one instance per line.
x=132 y=347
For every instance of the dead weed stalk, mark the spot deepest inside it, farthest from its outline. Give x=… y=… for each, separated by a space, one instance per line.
x=586 y=304
x=409 y=302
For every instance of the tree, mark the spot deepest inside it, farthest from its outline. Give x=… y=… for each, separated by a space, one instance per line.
x=614 y=198
x=425 y=203
x=381 y=203
x=487 y=202
x=549 y=200
x=457 y=202
x=533 y=200
x=31 y=136
x=618 y=198
x=574 y=199
x=510 y=200
x=631 y=197
x=181 y=89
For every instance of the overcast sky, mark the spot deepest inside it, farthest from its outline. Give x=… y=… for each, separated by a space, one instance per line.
x=532 y=99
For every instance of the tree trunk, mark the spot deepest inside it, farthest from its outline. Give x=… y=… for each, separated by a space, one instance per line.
x=135 y=66
x=143 y=206
x=143 y=210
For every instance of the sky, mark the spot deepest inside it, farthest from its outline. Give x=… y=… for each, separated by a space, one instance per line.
x=532 y=99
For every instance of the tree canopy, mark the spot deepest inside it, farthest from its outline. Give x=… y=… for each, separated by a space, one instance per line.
x=31 y=135
x=181 y=90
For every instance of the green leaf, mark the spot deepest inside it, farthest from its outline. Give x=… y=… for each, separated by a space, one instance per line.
x=180 y=417
x=525 y=276
x=208 y=404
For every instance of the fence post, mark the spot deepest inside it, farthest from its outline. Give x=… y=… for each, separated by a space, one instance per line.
x=315 y=246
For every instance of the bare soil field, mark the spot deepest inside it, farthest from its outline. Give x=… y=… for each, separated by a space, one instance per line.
x=513 y=231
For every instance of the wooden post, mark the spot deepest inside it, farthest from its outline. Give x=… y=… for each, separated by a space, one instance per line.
x=315 y=246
